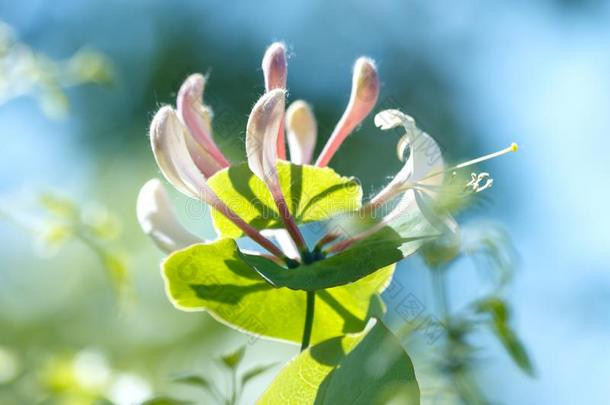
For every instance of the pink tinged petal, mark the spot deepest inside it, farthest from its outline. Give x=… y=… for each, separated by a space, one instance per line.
x=173 y=158
x=158 y=219
x=275 y=72
x=204 y=161
x=261 y=137
x=169 y=145
x=365 y=91
x=301 y=132
x=275 y=67
x=261 y=143
x=196 y=117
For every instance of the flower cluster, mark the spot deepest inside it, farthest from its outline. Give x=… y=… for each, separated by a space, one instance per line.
x=187 y=156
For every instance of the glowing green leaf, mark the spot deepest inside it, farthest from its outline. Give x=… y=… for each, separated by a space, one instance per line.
x=312 y=193
x=360 y=369
x=215 y=277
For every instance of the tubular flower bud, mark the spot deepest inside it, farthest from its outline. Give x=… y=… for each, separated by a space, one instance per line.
x=275 y=71
x=261 y=137
x=301 y=132
x=169 y=145
x=196 y=117
x=261 y=148
x=365 y=91
x=158 y=219
x=175 y=162
x=275 y=67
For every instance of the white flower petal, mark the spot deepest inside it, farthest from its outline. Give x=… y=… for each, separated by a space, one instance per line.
x=301 y=132
x=167 y=137
x=442 y=222
x=425 y=158
x=158 y=219
x=261 y=135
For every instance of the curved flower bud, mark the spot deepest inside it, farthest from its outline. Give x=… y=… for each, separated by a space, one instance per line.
x=173 y=158
x=275 y=67
x=261 y=137
x=275 y=72
x=196 y=117
x=169 y=145
x=365 y=90
x=261 y=143
x=204 y=161
x=301 y=132
x=158 y=219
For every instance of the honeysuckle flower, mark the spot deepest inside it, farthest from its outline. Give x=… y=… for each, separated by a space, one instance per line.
x=197 y=118
x=233 y=283
x=419 y=182
x=168 y=141
x=425 y=157
x=187 y=155
x=301 y=132
x=365 y=91
x=275 y=72
x=261 y=148
x=158 y=219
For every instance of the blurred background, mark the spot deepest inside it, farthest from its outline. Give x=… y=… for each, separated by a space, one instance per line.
x=477 y=75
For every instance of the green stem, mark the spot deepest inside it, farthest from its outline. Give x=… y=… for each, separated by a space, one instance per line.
x=309 y=310
x=233 y=387
x=440 y=291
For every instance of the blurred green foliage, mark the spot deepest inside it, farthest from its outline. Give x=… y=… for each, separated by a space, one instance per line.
x=24 y=71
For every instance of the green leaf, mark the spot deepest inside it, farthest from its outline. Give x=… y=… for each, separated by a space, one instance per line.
x=360 y=369
x=232 y=360
x=362 y=259
x=193 y=379
x=255 y=372
x=500 y=314
x=312 y=193
x=514 y=347
x=214 y=277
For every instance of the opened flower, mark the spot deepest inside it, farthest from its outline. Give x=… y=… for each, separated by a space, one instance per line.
x=289 y=262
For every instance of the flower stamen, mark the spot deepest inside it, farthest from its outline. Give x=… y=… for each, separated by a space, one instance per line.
x=512 y=148
x=475 y=182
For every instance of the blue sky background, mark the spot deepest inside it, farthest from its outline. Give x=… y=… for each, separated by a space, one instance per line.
x=481 y=75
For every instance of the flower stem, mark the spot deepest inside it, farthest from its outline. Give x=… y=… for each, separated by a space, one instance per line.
x=248 y=229
x=289 y=222
x=309 y=311
x=440 y=291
